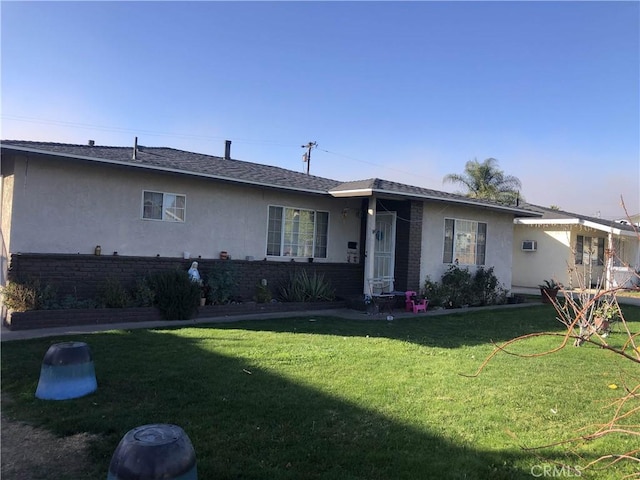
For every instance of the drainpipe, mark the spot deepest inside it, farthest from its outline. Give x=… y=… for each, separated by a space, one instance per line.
x=370 y=243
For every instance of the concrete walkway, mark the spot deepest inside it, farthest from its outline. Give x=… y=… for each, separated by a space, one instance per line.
x=8 y=335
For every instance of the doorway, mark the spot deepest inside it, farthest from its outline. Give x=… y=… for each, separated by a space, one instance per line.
x=385 y=245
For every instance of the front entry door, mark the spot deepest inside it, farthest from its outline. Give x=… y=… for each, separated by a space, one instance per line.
x=385 y=245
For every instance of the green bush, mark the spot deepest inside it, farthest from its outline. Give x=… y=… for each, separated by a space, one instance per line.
x=113 y=295
x=70 y=302
x=486 y=288
x=459 y=288
x=434 y=292
x=220 y=283
x=143 y=294
x=304 y=288
x=176 y=296
x=22 y=296
x=263 y=293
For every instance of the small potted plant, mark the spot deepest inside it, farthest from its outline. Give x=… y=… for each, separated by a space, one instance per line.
x=604 y=315
x=549 y=290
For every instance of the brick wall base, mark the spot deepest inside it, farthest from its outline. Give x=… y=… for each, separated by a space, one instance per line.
x=83 y=275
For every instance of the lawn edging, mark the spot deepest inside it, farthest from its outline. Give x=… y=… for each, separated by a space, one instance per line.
x=35 y=319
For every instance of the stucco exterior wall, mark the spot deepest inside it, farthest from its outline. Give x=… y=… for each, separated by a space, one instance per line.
x=6 y=210
x=549 y=261
x=498 y=247
x=70 y=207
x=555 y=256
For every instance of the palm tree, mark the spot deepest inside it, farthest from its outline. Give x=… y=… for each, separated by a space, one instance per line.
x=485 y=180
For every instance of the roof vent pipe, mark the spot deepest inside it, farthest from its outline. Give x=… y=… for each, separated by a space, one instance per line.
x=227 y=149
x=92 y=143
x=135 y=148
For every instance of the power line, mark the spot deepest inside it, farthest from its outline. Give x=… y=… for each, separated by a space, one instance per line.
x=351 y=158
x=412 y=173
x=89 y=126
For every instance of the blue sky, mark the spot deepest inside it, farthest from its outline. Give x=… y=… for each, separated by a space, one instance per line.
x=407 y=91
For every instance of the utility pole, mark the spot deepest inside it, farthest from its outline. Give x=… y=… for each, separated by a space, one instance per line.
x=307 y=156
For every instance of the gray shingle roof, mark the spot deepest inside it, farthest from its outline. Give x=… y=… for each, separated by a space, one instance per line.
x=162 y=158
x=387 y=187
x=183 y=162
x=554 y=214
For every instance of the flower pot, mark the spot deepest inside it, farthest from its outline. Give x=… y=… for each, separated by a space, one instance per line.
x=602 y=325
x=67 y=372
x=549 y=294
x=154 y=451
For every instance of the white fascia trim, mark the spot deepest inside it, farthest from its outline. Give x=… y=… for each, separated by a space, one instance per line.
x=161 y=169
x=366 y=192
x=546 y=221
x=573 y=221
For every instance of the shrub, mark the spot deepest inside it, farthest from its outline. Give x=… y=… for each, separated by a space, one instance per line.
x=143 y=294
x=487 y=289
x=550 y=285
x=70 y=302
x=458 y=288
x=28 y=295
x=113 y=295
x=176 y=296
x=220 y=283
x=433 y=291
x=304 y=288
x=263 y=293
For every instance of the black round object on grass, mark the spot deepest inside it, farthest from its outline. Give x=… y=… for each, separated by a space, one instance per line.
x=155 y=451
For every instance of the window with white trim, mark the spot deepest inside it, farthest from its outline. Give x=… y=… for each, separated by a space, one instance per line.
x=589 y=250
x=619 y=251
x=465 y=242
x=297 y=232
x=169 y=207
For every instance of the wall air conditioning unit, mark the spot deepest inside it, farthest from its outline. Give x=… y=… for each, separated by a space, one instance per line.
x=529 y=245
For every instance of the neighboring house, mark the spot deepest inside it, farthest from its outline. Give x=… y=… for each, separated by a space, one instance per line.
x=630 y=220
x=573 y=249
x=151 y=201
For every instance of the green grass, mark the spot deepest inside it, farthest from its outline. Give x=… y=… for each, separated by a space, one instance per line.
x=342 y=399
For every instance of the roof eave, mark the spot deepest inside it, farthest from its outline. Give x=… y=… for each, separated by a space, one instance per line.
x=574 y=221
x=358 y=192
x=367 y=192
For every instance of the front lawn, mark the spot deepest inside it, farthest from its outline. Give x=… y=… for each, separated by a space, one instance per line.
x=327 y=398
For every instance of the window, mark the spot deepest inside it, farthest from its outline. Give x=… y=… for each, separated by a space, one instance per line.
x=163 y=206
x=589 y=250
x=619 y=252
x=296 y=232
x=464 y=242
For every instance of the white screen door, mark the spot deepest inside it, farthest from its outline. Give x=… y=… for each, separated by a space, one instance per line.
x=385 y=245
